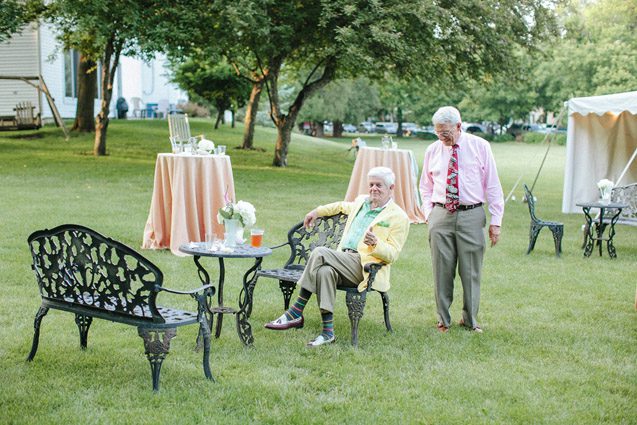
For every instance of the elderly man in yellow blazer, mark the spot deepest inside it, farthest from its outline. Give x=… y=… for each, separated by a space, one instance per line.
x=375 y=231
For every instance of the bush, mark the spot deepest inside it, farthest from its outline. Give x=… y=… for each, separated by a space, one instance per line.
x=560 y=139
x=194 y=110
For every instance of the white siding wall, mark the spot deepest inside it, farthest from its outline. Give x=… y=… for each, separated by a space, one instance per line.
x=19 y=58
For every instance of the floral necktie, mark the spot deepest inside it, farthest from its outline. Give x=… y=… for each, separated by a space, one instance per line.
x=452 y=199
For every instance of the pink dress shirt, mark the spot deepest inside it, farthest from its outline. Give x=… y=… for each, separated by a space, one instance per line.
x=477 y=174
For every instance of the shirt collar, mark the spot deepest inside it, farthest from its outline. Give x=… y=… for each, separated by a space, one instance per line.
x=369 y=204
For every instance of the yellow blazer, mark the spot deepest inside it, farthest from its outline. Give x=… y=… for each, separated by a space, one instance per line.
x=391 y=238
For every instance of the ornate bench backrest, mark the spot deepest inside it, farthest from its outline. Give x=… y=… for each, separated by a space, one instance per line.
x=327 y=232
x=531 y=203
x=77 y=265
x=626 y=195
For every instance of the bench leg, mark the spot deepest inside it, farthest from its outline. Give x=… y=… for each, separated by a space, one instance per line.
x=42 y=311
x=385 y=298
x=204 y=331
x=287 y=288
x=83 y=324
x=157 y=346
x=355 y=306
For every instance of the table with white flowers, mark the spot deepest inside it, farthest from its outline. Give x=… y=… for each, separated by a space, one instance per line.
x=187 y=194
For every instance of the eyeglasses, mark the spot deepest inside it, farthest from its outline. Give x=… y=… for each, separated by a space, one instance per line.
x=446 y=133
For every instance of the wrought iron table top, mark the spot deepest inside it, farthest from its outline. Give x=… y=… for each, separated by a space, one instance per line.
x=597 y=204
x=240 y=251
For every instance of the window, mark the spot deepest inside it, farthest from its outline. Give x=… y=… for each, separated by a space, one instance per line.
x=71 y=62
x=71 y=66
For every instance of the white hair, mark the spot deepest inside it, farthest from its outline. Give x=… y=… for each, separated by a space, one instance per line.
x=384 y=173
x=446 y=115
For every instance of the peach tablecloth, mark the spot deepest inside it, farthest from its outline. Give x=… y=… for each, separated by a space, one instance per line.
x=403 y=163
x=188 y=192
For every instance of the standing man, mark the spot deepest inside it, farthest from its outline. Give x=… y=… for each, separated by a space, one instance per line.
x=459 y=175
x=375 y=231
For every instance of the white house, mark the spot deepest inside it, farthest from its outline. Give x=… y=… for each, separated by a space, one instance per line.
x=35 y=51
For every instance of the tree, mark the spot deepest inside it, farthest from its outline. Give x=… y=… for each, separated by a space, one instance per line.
x=12 y=18
x=215 y=81
x=597 y=47
x=86 y=90
x=103 y=30
x=433 y=40
x=342 y=101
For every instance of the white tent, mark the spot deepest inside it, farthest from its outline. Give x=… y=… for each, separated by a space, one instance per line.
x=600 y=144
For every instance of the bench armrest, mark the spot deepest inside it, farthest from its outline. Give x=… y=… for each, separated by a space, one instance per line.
x=372 y=269
x=280 y=245
x=194 y=291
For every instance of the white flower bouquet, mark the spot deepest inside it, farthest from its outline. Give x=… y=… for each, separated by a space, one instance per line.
x=206 y=145
x=242 y=211
x=605 y=187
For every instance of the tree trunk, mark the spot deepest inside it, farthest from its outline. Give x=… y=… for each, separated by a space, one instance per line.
x=232 y=118
x=283 y=138
x=399 y=131
x=87 y=86
x=109 y=66
x=219 y=118
x=251 y=115
x=318 y=129
x=337 y=129
x=285 y=122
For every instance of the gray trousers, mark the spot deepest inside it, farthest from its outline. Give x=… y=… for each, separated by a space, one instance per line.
x=325 y=269
x=457 y=241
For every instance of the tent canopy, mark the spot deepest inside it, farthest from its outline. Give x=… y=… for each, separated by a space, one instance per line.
x=601 y=139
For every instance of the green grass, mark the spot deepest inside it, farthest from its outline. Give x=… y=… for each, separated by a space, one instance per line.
x=560 y=334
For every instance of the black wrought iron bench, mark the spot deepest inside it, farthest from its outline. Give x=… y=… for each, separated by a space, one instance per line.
x=82 y=272
x=622 y=195
x=536 y=225
x=326 y=232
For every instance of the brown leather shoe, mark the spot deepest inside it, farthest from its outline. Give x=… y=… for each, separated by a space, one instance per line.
x=283 y=323
x=442 y=328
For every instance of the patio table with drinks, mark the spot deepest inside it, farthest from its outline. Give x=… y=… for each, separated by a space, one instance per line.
x=216 y=248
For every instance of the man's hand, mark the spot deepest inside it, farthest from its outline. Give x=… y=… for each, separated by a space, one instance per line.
x=310 y=218
x=494 y=234
x=370 y=238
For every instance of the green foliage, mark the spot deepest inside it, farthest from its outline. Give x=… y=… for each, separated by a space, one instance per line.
x=558 y=341
x=595 y=55
x=348 y=101
x=212 y=80
x=11 y=18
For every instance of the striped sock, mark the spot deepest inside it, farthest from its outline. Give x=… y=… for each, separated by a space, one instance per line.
x=296 y=310
x=328 y=324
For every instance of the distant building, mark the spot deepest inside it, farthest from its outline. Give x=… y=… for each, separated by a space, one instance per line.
x=35 y=51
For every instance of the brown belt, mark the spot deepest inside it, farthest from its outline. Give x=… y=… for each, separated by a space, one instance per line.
x=461 y=207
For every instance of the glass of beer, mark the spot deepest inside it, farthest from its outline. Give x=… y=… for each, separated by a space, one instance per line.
x=256 y=237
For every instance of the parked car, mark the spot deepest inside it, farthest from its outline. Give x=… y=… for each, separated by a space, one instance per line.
x=386 y=127
x=409 y=128
x=473 y=128
x=366 y=127
x=328 y=127
x=349 y=128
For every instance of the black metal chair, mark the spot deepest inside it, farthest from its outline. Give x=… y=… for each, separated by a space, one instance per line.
x=536 y=225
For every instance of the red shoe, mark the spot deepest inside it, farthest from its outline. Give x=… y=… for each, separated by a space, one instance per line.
x=475 y=329
x=442 y=328
x=283 y=323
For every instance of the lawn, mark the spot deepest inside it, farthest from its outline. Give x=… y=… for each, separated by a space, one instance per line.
x=559 y=341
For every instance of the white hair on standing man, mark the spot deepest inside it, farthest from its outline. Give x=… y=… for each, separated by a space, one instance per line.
x=384 y=173
x=446 y=115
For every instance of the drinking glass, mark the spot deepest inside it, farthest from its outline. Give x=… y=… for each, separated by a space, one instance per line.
x=385 y=142
x=221 y=149
x=256 y=237
x=211 y=241
x=176 y=146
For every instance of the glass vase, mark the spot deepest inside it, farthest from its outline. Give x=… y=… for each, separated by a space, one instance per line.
x=233 y=234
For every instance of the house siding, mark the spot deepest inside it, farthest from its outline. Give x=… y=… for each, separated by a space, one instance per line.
x=20 y=59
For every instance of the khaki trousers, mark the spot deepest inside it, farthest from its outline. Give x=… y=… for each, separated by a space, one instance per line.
x=457 y=241
x=325 y=269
